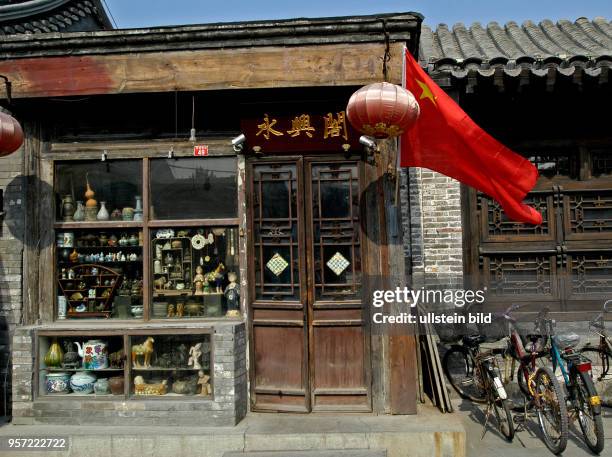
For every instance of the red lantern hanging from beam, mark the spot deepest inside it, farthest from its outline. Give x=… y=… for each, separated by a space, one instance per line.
x=11 y=134
x=382 y=110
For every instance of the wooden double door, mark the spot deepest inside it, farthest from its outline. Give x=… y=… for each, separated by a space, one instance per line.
x=309 y=342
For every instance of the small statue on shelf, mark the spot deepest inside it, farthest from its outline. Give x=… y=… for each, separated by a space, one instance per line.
x=198 y=280
x=71 y=357
x=232 y=295
x=195 y=352
x=145 y=350
x=203 y=382
x=170 y=312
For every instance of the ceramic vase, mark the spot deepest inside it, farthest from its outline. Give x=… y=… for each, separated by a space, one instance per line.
x=57 y=383
x=79 y=214
x=82 y=382
x=116 y=385
x=68 y=208
x=101 y=387
x=91 y=213
x=55 y=355
x=127 y=214
x=138 y=209
x=103 y=214
x=61 y=307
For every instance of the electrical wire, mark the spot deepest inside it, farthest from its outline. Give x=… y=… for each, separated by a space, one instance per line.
x=110 y=14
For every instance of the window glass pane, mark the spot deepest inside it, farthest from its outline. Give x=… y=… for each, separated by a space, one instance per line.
x=194 y=188
x=99 y=274
x=95 y=190
x=194 y=272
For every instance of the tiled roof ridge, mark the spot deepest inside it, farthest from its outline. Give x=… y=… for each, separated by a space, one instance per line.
x=582 y=39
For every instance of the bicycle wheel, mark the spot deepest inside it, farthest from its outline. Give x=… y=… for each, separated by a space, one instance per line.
x=463 y=374
x=551 y=409
x=600 y=362
x=503 y=416
x=589 y=416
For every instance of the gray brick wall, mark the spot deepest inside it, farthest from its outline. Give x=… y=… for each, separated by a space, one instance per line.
x=431 y=218
x=11 y=251
x=228 y=406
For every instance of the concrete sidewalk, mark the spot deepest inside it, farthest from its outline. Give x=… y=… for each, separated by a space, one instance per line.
x=427 y=434
x=526 y=443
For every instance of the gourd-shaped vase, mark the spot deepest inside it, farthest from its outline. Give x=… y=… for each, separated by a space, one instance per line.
x=55 y=355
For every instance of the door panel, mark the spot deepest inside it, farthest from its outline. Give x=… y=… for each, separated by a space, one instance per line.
x=339 y=347
x=309 y=338
x=278 y=311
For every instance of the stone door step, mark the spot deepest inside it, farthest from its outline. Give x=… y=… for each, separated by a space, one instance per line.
x=322 y=453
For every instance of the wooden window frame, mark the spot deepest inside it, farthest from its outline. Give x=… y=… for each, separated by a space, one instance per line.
x=145 y=152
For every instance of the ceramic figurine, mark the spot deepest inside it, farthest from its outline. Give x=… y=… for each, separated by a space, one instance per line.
x=94 y=354
x=68 y=208
x=158 y=251
x=138 y=209
x=195 y=352
x=145 y=350
x=198 y=280
x=71 y=357
x=232 y=295
x=82 y=382
x=203 y=382
x=55 y=355
x=157 y=267
x=57 y=383
x=62 y=306
x=170 y=310
x=180 y=309
x=218 y=276
x=142 y=388
x=79 y=214
x=103 y=214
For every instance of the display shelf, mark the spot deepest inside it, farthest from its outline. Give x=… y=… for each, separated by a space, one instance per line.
x=166 y=369
x=105 y=314
x=98 y=225
x=101 y=370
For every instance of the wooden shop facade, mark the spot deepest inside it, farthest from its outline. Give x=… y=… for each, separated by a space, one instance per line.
x=164 y=262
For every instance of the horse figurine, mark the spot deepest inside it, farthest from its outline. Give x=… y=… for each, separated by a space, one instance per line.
x=145 y=350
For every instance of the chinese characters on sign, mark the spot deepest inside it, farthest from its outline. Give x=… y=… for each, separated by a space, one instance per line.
x=303 y=131
x=334 y=126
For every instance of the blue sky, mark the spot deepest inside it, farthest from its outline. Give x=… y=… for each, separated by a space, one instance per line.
x=143 y=13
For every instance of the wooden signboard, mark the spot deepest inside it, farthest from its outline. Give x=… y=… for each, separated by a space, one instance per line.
x=303 y=131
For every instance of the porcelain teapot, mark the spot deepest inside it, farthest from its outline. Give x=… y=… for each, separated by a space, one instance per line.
x=94 y=354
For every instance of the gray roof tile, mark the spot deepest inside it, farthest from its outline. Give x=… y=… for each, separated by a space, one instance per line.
x=564 y=45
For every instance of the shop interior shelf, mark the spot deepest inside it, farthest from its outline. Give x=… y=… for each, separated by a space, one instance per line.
x=101 y=370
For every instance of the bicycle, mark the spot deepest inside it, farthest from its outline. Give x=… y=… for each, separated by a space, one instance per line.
x=575 y=369
x=600 y=355
x=539 y=385
x=475 y=376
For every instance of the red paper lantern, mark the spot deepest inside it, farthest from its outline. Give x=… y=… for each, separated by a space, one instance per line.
x=382 y=110
x=11 y=134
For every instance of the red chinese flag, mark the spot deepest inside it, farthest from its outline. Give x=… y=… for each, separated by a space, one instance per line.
x=446 y=140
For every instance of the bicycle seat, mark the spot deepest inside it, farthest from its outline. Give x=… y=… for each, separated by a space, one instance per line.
x=473 y=340
x=568 y=340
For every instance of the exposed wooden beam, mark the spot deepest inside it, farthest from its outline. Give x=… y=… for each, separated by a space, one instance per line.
x=262 y=67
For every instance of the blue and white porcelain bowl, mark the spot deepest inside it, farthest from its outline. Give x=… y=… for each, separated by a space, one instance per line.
x=82 y=382
x=57 y=383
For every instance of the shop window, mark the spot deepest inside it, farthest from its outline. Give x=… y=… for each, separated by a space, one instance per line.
x=194 y=188
x=194 y=272
x=156 y=364
x=96 y=191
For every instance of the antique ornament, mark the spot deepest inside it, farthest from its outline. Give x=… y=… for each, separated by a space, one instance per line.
x=195 y=352
x=144 y=350
x=198 y=241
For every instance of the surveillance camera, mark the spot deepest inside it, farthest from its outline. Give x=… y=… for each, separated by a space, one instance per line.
x=238 y=142
x=367 y=142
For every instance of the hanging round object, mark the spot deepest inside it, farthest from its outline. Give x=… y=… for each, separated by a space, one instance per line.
x=198 y=241
x=382 y=110
x=11 y=134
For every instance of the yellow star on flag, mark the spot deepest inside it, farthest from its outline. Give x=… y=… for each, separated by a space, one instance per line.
x=427 y=93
